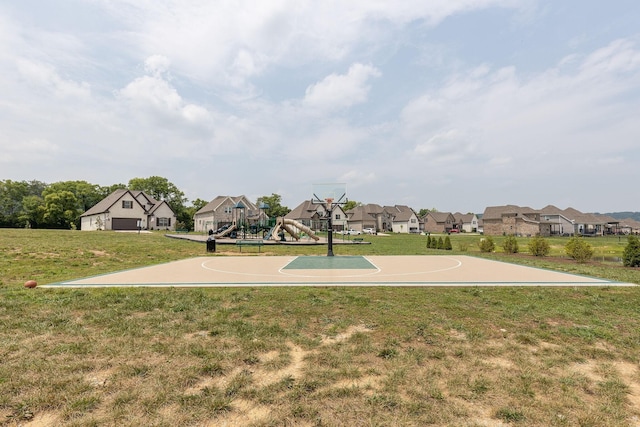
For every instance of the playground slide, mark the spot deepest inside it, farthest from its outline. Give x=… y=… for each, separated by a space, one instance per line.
x=289 y=225
x=302 y=228
x=290 y=231
x=225 y=232
x=269 y=233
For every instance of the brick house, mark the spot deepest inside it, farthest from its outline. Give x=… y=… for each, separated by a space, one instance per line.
x=466 y=222
x=439 y=222
x=369 y=216
x=313 y=216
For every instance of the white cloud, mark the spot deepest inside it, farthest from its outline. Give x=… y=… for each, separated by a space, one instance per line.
x=30 y=152
x=225 y=42
x=157 y=65
x=155 y=99
x=152 y=92
x=45 y=76
x=358 y=178
x=335 y=92
x=563 y=113
x=301 y=91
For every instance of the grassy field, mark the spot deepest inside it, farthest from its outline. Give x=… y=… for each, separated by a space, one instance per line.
x=310 y=356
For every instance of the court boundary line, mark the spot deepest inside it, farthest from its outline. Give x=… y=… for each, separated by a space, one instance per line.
x=342 y=283
x=332 y=282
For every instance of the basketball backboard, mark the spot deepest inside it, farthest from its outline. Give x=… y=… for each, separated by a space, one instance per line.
x=330 y=193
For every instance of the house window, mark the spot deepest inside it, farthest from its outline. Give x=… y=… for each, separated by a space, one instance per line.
x=413 y=220
x=164 y=222
x=127 y=204
x=228 y=209
x=337 y=216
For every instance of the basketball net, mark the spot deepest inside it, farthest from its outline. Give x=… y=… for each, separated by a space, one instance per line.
x=329 y=201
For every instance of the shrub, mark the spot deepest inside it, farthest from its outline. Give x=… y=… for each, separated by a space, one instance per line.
x=486 y=244
x=434 y=243
x=538 y=246
x=578 y=249
x=631 y=254
x=440 y=243
x=447 y=244
x=510 y=245
x=428 y=241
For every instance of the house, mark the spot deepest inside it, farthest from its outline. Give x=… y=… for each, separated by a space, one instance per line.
x=554 y=222
x=128 y=210
x=511 y=220
x=369 y=216
x=403 y=219
x=226 y=210
x=611 y=226
x=439 y=222
x=466 y=222
x=585 y=224
x=629 y=226
x=313 y=215
x=548 y=221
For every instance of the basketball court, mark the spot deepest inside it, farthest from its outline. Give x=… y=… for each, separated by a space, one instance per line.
x=330 y=270
x=257 y=271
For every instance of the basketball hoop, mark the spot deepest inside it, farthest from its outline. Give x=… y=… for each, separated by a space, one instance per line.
x=329 y=201
x=327 y=195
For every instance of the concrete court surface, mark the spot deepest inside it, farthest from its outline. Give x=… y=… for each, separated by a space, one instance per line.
x=254 y=271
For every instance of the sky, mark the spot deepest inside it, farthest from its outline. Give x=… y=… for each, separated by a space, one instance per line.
x=449 y=104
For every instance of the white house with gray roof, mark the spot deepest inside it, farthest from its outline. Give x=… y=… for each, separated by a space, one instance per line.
x=128 y=210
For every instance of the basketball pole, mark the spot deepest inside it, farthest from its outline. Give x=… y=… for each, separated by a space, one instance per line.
x=330 y=233
x=329 y=203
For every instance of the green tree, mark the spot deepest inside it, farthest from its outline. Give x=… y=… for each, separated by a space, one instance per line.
x=60 y=209
x=434 y=243
x=440 y=243
x=275 y=205
x=422 y=212
x=631 y=253
x=350 y=205
x=510 y=245
x=12 y=194
x=447 y=244
x=429 y=241
x=87 y=195
x=578 y=249
x=539 y=246
x=486 y=244
x=190 y=211
x=161 y=189
x=33 y=211
x=105 y=191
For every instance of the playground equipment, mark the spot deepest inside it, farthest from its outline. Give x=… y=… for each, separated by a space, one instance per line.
x=290 y=226
x=226 y=232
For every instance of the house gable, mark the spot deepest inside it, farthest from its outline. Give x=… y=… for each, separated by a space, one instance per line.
x=118 y=210
x=221 y=211
x=368 y=216
x=403 y=219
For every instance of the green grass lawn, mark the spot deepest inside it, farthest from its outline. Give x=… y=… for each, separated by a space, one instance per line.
x=329 y=356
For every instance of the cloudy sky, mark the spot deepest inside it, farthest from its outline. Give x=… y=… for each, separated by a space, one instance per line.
x=452 y=104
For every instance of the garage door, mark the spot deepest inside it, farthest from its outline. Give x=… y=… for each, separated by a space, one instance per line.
x=124 y=223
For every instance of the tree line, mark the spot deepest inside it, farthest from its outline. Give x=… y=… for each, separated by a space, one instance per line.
x=35 y=204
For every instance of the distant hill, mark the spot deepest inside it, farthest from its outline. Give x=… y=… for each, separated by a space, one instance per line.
x=625 y=215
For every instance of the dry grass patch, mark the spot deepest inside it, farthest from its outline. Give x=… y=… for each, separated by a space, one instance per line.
x=300 y=356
